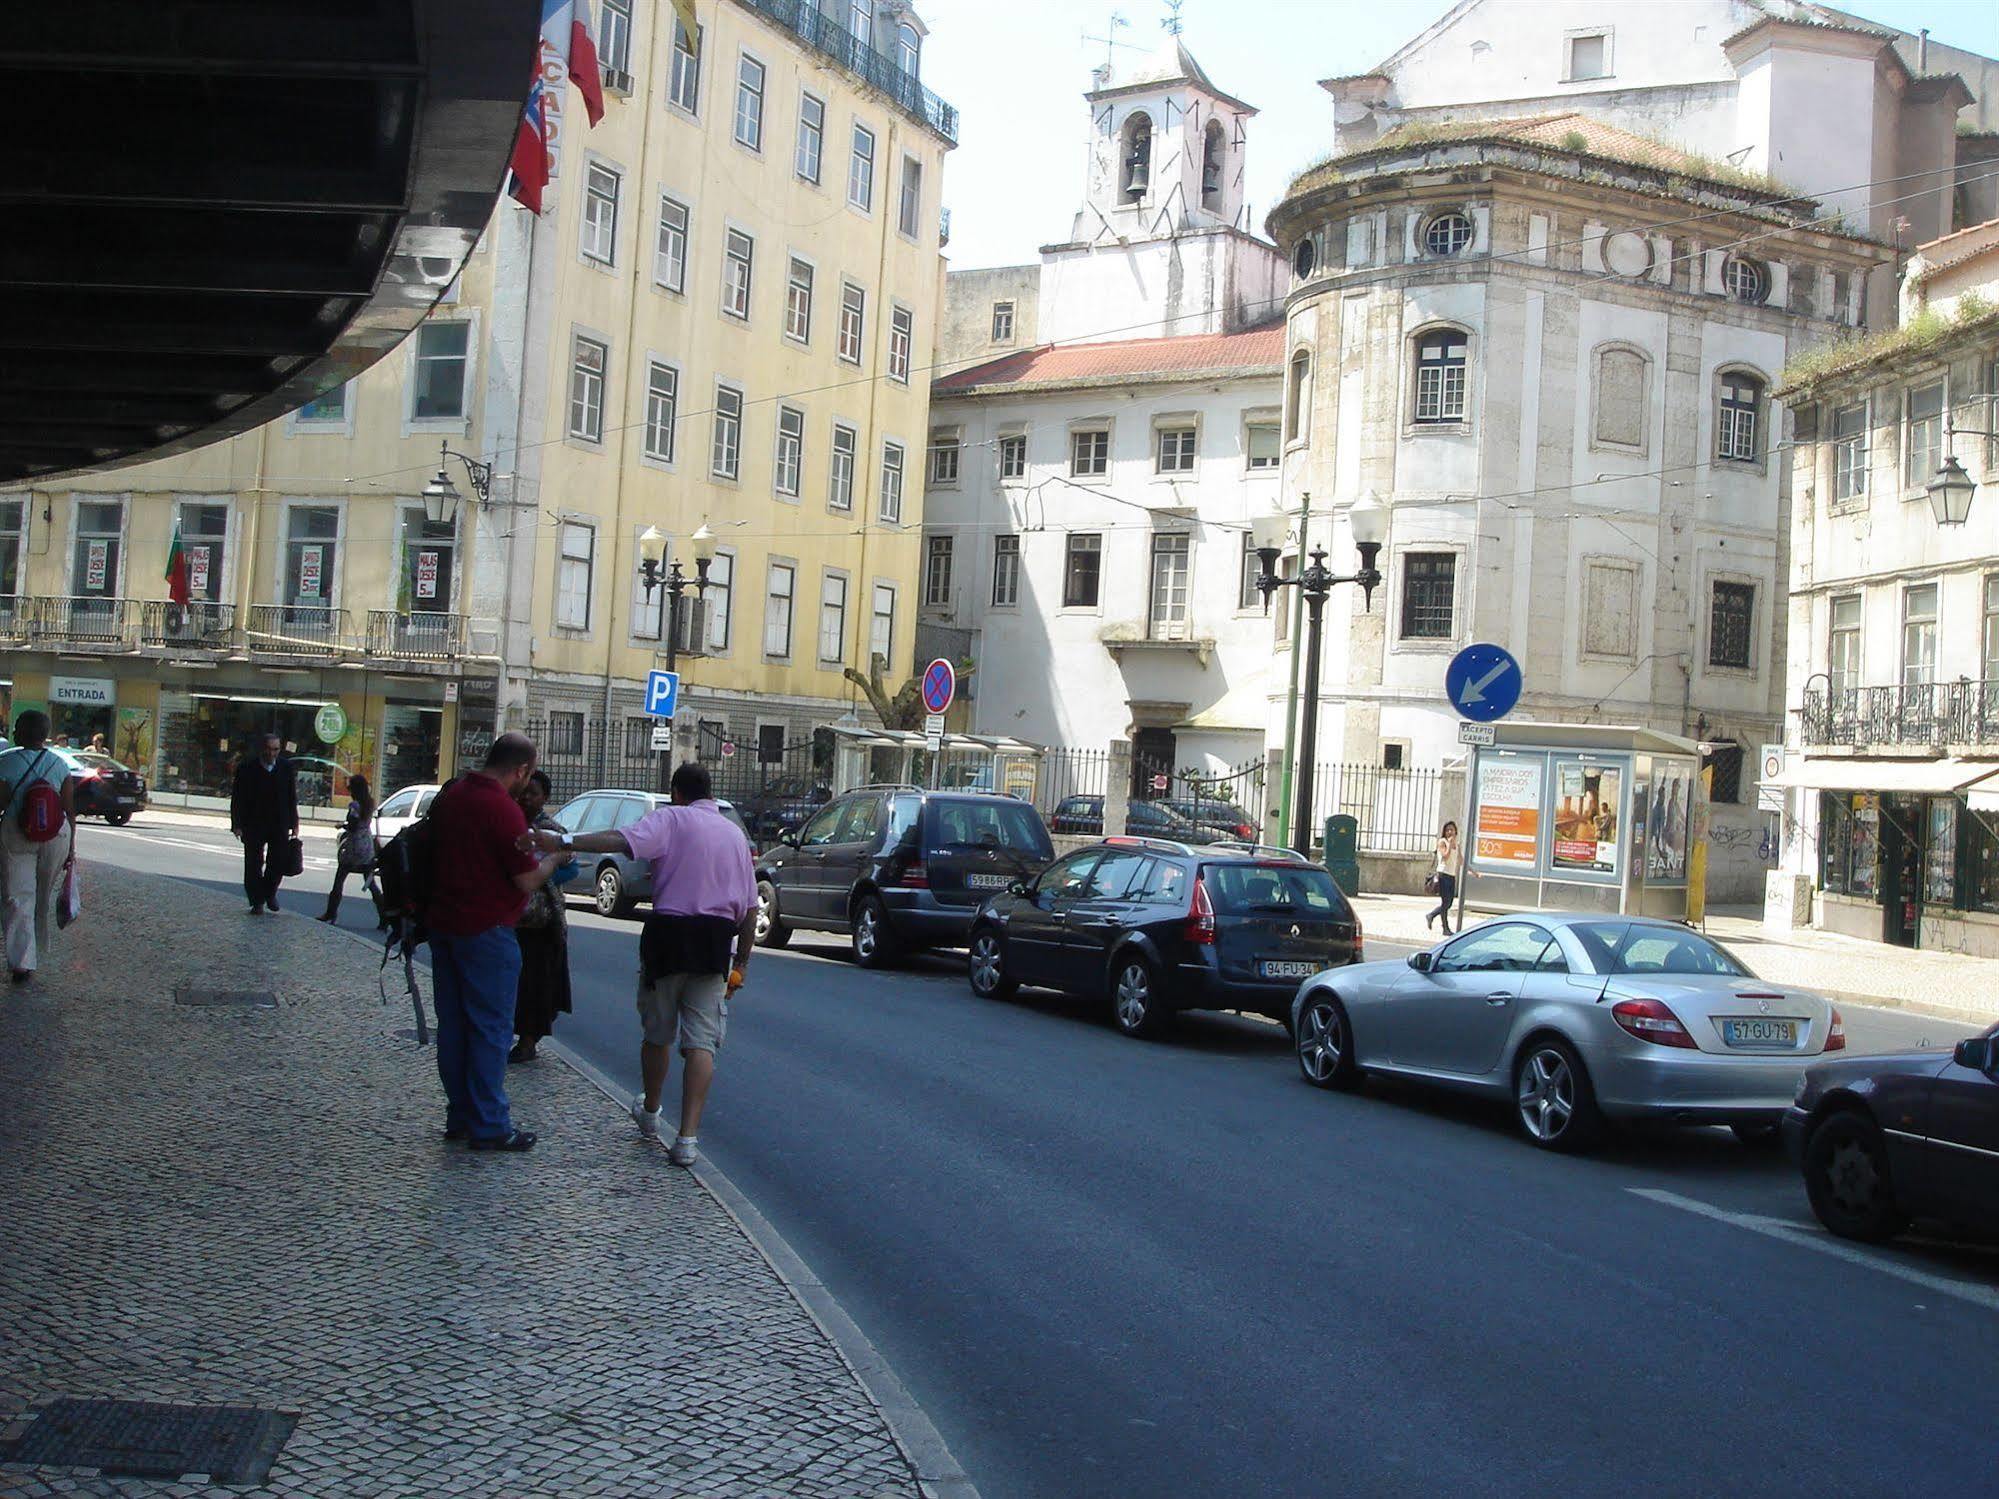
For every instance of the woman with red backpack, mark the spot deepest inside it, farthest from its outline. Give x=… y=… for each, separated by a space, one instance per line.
x=37 y=838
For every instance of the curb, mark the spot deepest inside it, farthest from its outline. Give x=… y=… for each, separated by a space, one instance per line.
x=938 y=1473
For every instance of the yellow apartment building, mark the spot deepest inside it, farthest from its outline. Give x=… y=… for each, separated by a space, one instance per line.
x=716 y=321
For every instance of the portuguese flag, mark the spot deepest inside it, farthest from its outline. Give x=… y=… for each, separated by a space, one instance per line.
x=177 y=585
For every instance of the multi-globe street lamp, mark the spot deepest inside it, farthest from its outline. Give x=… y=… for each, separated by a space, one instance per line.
x=652 y=554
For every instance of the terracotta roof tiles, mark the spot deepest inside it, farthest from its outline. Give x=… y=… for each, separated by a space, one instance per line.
x=1255 y=351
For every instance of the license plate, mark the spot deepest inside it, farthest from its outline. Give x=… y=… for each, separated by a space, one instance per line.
x=987 y=881
x=1760 y=1032
x=1286 y=968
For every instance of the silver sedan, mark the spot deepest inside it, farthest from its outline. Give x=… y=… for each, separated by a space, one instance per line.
x=1575 y=1019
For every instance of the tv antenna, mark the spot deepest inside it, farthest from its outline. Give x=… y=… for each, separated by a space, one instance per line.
x=1172 y=23
x=1110 y=37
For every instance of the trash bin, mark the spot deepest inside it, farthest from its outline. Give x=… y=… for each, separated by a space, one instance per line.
x=1343 y=852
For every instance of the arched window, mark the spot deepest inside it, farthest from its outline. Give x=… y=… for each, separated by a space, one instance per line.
x=1738 y=418
x=1441 y=361
x=1135 y=157
x=1213 y=144
x=1298 y=397
x=908 y=48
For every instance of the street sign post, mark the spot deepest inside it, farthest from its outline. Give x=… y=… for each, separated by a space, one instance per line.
x=662 y=693
x=662 y=737
x=1477 y=733
x=1483 y=682
x=1770 y=760
x=940 y=685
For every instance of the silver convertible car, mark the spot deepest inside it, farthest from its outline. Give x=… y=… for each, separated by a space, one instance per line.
x=1577 y=1019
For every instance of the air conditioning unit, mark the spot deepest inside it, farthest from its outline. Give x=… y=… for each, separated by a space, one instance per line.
x=620 y=82
x=690 y=625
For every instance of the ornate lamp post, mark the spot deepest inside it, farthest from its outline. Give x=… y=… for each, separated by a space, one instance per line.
x=1950 y=493
x=652 y=551
x=1368 y=521
x=440 y=495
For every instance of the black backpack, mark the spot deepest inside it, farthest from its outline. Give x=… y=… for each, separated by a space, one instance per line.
x=405 y=868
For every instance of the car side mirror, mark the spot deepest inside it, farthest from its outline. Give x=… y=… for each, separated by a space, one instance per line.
x=1420 y=961
x=1016 y=887
x=1980 y=1053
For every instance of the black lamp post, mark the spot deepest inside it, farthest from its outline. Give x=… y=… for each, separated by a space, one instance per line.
x=440 y=495
x=1368 y=521
x=652 y=550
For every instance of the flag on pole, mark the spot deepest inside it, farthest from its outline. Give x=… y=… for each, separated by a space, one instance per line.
x=567 y=27
x=177 y=584
x=690 y=24
x=530 y=158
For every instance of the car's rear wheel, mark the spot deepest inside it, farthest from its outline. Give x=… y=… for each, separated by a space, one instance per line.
x=1325 y=1044
x=1137 y=1006
x=1552 y=1097
x=612 y=897
x=117 y=819
x=874 y=944
x=771 y=931
x=1846 y=1178
x=985 y=966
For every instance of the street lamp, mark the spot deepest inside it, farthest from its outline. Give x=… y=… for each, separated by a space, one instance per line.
x=440 y=495
x=652 y=550
x=1950 y=493
x=1367 y=519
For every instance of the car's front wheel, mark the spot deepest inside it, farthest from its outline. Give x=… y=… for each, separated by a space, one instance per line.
x=1325 y=1044
x=612 y=897
x=874 y=944
x=117 y=819
x=1553 y=1098
x=1137 y=1006
x=771 y=931
x=1846 y=1178
x=985 y=966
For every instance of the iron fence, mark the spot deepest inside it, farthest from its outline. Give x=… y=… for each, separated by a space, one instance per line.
x=1399 y=811
x=89 y=620
x=1917 y=713
x=1064 y=773
x=297 y=630
x=194 y=626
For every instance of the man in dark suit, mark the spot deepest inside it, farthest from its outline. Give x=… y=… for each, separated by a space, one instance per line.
x=263 y=814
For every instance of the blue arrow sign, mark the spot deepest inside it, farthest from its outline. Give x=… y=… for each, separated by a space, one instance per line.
x=662 y=693
x=1483 y=682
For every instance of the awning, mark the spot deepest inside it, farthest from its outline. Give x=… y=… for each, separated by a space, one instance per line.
x=1937 y=777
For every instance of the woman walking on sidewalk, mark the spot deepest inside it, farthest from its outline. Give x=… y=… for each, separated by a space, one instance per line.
x=357 y=850
x=543 y=933
x=31 y=870
x=1445 y=878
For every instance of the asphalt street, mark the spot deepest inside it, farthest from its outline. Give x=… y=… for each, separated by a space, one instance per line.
x=1111 y=1267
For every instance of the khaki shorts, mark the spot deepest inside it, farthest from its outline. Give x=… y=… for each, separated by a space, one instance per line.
x=691 y=1006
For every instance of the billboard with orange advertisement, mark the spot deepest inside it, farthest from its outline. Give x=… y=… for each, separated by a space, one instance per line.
x=1506 y=822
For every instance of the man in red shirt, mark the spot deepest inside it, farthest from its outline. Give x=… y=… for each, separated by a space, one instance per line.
x=480 y=883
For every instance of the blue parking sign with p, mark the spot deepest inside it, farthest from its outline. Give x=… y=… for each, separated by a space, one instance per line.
x=662 y=693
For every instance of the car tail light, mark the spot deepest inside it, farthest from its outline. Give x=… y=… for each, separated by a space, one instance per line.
x=914 y=877
x=1650 y=1020
x=1835 y=1039
x=1244 y=830
x=1357 y=935
x=1200 y=928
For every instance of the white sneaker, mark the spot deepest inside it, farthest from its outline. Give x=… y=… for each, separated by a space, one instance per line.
x=682 y=1152
x=646 y=1119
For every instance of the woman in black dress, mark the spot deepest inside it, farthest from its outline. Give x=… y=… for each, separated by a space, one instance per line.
x=543 y=933
x=357 y=849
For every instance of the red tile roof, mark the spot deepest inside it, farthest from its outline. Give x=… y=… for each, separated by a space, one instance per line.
x=1256 y=351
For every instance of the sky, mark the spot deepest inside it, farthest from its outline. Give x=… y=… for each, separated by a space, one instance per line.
x=1016 y=71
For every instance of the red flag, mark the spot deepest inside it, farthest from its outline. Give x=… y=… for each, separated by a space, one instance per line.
x=530 y=158
x=583 y=64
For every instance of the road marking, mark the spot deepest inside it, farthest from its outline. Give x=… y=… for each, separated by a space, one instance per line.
x=1807 y=1238
x=312 y=861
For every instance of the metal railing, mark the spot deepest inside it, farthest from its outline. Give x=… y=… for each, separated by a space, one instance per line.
x=17 y=619
x=417 y=636
x=1064 y=773
x=297 y=630
x=194 y=626
x=804 y=20
x=1930 y=714
x=97 y=623
x=1399 y=811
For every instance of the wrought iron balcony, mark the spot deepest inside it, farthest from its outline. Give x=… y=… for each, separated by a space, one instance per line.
x=196 y=626
x=804 y=20
x=17 y=618
x=417 y=636
x=297 y=630
x=1918 y=714
x=87 y=623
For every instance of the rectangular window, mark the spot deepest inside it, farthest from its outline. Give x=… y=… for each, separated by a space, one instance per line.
x=662 y=410
x=738 y=263
x=937 y=572
x=574 y=561
x=1089 y=453
x=1988 y=669
x=1923 y=453
x=1735 y=436
x=1176 y=451
x=1589 y=57
x=1248 y=596
x=12 y=521
x=1013 y=456
x=1610 y=609
x=749 y=102
x=832 y=618
x=1940 y=853
x=1260 y=443
x=910 y=212
x=614 y=40
x=725 y=459
x=648 y=609
x=1082 y=570
x=600 y=214
x=790 y=460
x=312 y=545
x=721 y=598
x=798 y=301
x=1849 y=453
x=1170 y=559
x=1731 y=621
x=441 y=360
x=204 y=539
x=861 y=169
x=586 y=390
x=1002 y=322
x=811 y=137
x=891 y=495
x=565 y=733
x=943 y=458
x=1843 y=645
x=1006 y=571
x=777 y=609
x=1429 y=595
x=683 y=89
x=853 y=322
x=901 y=323
x=1919 y=635
x=669 y=261
x=840 y=481
x=881 y=628
x=1440 y=378
x=329 y=408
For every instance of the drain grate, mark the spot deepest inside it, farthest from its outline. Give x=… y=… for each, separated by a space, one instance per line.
x=147 y=1439
x=241 y=999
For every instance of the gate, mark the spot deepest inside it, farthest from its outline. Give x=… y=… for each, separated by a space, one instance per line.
x=1226 y=803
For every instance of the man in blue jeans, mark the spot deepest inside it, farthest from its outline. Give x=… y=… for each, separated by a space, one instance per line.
x=480 y=883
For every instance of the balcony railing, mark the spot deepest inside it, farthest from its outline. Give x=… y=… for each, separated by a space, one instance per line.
x=91 y=623
x=297 y=630
x=197 y=626
x=17 y=619
x=1919 y=714
x=416 y=636
x=804 y=20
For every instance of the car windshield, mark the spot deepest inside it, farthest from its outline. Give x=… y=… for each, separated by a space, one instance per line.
x=992 y=824
x=1281 y=888
x=1640 y=947
x=96 y=761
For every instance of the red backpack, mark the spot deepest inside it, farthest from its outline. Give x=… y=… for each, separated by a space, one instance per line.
x=40 y=807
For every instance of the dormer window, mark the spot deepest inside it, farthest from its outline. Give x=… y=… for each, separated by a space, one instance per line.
x=1447 y=234
x=1212 y=146
x=1135 y=175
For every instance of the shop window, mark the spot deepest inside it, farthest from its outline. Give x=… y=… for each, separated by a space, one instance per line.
x=1850 y=842
x=1940 y=852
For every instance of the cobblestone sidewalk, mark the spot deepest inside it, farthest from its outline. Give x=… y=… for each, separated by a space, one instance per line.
x=255 y=1207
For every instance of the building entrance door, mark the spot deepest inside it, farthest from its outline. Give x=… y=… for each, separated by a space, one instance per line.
x=1901 y=871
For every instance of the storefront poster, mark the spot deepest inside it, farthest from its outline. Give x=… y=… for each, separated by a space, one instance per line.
x=96 y=565
x=1507 y=824
x=1588 y=798
x=309 y=560
x=1669 y=818
x=1866 y=878
x=136 y=739
x=197 y=572
x=426 y=575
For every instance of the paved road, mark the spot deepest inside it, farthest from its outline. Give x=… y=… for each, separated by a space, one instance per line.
x=1111 y=1268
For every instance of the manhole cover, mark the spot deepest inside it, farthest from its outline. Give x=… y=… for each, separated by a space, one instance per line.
x=242 y=999
x=145 y=1439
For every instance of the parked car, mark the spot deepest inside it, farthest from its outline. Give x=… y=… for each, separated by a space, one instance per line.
x=897 y=868
x=1225 y=820
x=1156 y=926
x=786 y=803
x=1578 y=1019
x=1886 y=1139
x=107 y=789
x=400 y=810
x=1084 y=815
x=618 y=882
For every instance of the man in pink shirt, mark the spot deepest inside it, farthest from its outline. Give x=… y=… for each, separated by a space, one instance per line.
x=704 y=910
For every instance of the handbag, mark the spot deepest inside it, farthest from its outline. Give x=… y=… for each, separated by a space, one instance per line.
x=69 y=903
x=294 y=864
x=1430 y=883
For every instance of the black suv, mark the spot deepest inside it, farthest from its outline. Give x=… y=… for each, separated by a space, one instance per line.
x=1085 y=815
x=1156 y=926
x=897 y=867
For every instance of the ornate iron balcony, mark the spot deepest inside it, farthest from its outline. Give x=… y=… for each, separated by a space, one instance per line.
x=805 y=21
x=1929 y=714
